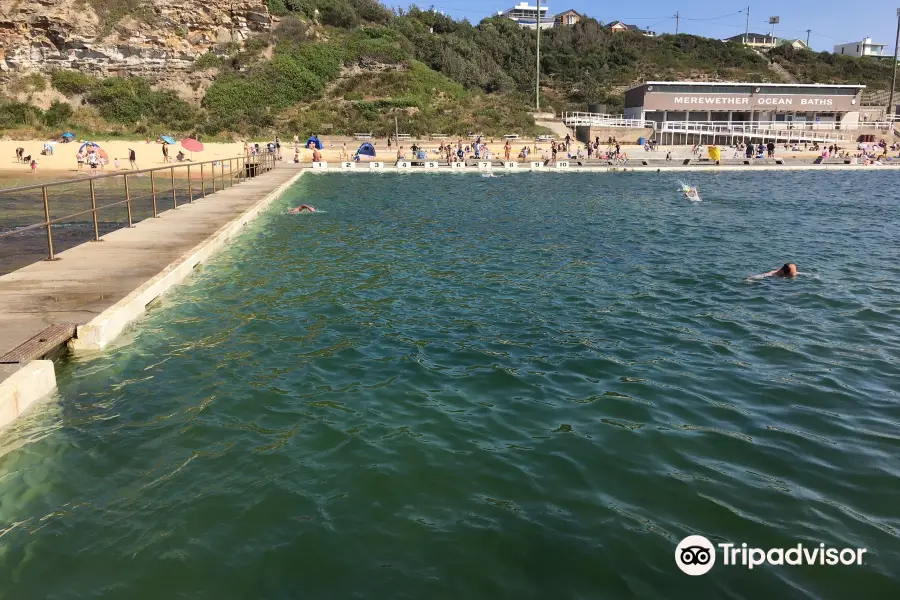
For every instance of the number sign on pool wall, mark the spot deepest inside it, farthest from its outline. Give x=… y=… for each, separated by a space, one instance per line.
x=484 y=166
x=458 y=165
x=511 y=165
x=562 y=164
x=537 y=165
x=348 y=165
x=320 y=165
x=431 y=164
x=402 y=164
x=376 y=165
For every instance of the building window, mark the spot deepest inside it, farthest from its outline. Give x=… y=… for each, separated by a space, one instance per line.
x=857 y=47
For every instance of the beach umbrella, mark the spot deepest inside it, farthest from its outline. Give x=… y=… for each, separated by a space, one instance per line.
x=167 y=139
x=366 y=149
x=68 y=135
x=315 y=141
x=88 y=145
x=192 y=145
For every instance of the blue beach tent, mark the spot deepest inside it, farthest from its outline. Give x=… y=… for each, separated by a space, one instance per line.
x=314 y=140
x=167 y=139
x=366 y=149
x=68 y=135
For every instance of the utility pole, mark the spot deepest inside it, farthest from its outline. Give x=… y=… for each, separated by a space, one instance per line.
x=537 y=75
x=677 y=21
x=807 y=37
x=747 y=32
x=890 y=108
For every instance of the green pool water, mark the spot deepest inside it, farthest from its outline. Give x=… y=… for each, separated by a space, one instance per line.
x=455 y=386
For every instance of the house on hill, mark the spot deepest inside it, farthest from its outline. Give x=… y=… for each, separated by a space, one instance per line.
x=795 y=44
x=570 y=17
x=754 y=40
x=619 y=26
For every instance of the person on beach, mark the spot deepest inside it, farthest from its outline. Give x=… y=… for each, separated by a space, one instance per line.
x=301 y=208
x=116 y=164
x=79 y=158
x=165 y=151
x=20 y=154
x=788 y=271
x=132 y=158
x=317 y=156
x=33 y=165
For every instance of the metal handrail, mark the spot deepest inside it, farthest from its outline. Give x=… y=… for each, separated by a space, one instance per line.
x=264 y=162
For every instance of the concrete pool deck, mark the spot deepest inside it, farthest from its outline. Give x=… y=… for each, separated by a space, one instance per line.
x=98 y=288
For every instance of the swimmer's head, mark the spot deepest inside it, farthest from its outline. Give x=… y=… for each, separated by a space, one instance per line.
x=788 y=270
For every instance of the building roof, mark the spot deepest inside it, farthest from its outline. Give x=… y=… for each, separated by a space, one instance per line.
x=768 y=38
x=746 y=83
x=565 y=12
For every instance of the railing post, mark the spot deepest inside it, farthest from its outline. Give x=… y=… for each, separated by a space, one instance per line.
x=94 y=212
x=174 y=193
x=231 y=171
x=202 y=180
x=50 y=256
x=128 y=200
x=153 y=193
x=190 y=186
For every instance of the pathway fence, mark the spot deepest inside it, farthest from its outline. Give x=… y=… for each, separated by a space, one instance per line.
x=153 y=190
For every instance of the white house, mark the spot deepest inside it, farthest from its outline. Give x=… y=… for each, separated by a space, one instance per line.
x=863 y=48
x=527 y=16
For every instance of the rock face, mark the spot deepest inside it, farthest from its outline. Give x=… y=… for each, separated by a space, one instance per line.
x=156 y=39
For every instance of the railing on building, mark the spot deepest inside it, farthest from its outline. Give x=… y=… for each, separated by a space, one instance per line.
x=573 y=119
x=221 y=173
x=584 y=119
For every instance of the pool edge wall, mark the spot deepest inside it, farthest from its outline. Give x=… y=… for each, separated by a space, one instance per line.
x=24 y=384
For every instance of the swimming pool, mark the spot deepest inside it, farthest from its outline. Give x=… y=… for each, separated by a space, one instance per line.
x=446 y=386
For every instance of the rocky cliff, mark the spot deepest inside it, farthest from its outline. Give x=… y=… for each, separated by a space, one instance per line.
x=156 y=39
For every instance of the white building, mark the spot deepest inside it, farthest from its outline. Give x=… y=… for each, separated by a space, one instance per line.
x=863 y=48
x=527 y=16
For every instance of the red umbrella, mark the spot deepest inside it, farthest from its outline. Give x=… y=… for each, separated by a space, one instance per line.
x=191 y=145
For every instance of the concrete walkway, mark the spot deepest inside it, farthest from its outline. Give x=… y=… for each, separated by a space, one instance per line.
x=91 y=279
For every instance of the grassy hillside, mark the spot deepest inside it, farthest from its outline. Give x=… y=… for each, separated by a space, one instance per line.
x=344 y=66
x=824 y=67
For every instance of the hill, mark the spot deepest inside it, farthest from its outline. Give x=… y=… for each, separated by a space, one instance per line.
x=339 y=66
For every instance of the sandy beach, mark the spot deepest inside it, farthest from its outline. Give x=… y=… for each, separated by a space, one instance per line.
x=62 y=163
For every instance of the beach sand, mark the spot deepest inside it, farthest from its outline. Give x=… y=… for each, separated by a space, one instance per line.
x=62 y=163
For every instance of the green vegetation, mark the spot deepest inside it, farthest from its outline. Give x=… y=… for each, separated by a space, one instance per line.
x=131 y=100
x=110 y=12
x=342 y=66
x=824 y=67
x=34 y=82
x=71 y=82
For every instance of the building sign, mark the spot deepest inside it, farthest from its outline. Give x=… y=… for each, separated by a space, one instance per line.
x=776 y=102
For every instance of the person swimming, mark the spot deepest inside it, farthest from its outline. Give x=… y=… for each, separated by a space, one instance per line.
x=787 y=271
x=691 y=192
x=301 y=208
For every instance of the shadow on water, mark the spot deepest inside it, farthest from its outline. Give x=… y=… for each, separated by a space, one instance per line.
x=20 y=209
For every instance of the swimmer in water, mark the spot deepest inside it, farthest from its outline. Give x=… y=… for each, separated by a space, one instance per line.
x=301 y=208
x=692 y=193
x=788 y=271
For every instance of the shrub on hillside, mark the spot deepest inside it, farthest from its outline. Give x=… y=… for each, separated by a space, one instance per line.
x=71 y=82
x=18 y=114
x=59 y=113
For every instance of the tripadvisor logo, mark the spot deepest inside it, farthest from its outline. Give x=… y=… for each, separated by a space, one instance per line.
x=696 y=555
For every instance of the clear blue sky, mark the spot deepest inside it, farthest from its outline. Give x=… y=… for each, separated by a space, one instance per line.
x=831 y=21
